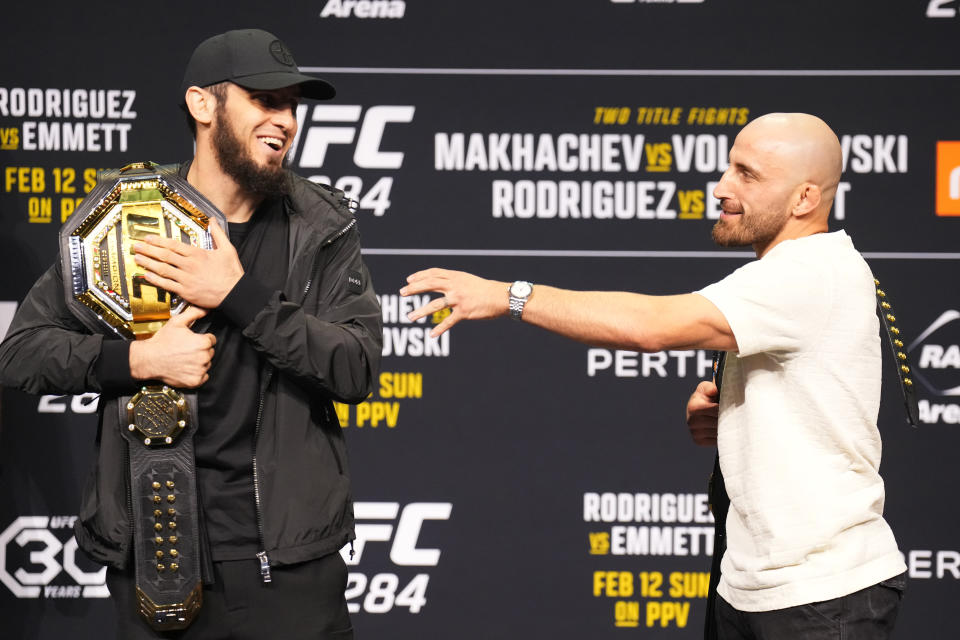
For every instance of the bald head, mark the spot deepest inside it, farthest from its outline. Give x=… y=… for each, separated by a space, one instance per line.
x=799 y=146
x=783 y=176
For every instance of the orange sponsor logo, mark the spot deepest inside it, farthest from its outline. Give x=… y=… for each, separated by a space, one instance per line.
x=948 y=178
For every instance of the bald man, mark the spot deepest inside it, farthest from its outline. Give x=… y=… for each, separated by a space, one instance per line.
x=809 y=554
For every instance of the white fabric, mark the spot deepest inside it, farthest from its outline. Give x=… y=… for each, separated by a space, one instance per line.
x=798 y=439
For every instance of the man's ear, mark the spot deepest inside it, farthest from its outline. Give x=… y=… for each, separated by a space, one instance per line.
x=201 y=104
x=808 y=199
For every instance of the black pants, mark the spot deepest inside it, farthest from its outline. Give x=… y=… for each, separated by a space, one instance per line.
x=303 y=602
x=868 y=614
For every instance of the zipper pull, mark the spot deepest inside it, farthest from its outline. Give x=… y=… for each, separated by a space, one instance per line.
x=351 y=551
x=264 y=567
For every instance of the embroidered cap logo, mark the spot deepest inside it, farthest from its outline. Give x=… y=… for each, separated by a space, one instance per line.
x=280 y=53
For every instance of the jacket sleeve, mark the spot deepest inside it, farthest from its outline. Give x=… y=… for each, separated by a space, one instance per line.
x=333 y=341
x=47 y=350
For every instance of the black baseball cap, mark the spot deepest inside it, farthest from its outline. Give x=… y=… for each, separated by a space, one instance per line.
x=251 y=58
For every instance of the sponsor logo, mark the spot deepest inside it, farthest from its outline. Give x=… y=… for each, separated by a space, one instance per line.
x=38 y=560
x=936 y=357
x=948 y=178
x=382 y=592
x=363 y=9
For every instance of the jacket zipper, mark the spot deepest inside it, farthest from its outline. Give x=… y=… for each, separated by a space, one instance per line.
x=130 y=519
x=262 y=557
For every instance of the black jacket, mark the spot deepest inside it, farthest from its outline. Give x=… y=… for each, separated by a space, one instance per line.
x=321 y=338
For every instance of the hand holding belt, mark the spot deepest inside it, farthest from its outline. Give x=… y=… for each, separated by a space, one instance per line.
x=108 y=291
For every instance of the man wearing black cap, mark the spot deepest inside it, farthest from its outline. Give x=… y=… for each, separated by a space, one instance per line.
x=286 y=321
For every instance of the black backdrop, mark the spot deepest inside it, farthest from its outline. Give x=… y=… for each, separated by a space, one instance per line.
x=510 y=483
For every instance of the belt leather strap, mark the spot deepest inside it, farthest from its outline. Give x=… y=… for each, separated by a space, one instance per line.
x=900 y=359
x=159 y=424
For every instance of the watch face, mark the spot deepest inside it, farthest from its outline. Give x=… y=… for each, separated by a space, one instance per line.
x=521 y=289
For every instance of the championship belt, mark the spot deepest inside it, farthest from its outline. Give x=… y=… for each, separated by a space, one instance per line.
x=107 y=291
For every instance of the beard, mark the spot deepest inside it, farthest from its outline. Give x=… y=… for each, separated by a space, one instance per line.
x=236 y=161
x=749 y=229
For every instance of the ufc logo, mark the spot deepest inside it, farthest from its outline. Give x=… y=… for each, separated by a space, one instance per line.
x=32 y=575
x=403 y=550
x=367 y=137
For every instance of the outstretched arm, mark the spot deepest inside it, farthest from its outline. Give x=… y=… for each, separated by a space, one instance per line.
x=607 y=318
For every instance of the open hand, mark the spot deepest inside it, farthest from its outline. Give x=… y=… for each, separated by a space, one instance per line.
x=201 y=277
x=467 y=296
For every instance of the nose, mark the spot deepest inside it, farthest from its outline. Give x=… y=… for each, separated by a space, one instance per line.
x=286 y=118
x=722 y=189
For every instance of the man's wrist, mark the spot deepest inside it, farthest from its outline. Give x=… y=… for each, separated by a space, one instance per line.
x=140 y=361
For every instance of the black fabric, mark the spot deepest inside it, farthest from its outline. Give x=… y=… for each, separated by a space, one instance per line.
x=719 y=505
x=320 y=342
x=113 y=367
x=868 y=614
x=229 y=400
x=304 y=602
x=252 y=58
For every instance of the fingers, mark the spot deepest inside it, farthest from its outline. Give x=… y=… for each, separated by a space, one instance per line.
x=188 y=316
x=432 y=279
x=447 y=322
x=431 y=307
x=164 y=283
x=703 y=430
x=708 y=388
x=220 y=238
x=158 y=243
x=427 y=273
x=421 y=285
x=161 y=268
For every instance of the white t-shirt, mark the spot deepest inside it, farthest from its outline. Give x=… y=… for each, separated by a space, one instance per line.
x=798 y=439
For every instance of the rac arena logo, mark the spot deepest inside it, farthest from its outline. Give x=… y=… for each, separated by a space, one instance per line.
x=936 y=354
x=363 y=9
x=948 y=178
x=38 y=558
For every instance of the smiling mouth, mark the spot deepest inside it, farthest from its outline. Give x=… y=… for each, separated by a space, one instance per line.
x=274 y=143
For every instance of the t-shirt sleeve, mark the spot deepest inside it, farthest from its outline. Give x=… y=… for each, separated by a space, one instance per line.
x=774 y=307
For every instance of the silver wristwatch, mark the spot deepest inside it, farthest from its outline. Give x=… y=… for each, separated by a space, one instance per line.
x=520 y=291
